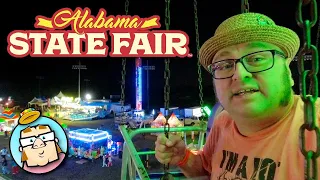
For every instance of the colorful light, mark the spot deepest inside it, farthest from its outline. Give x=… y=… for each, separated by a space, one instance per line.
x=138 y=84
x=207 y=110
x=89 y=135
x=88 y=140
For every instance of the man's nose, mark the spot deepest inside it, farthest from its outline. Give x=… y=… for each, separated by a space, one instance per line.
x=240 y=72
x=38 y=144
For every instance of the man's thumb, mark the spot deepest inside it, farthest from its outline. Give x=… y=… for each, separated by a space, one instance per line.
x=173 y=139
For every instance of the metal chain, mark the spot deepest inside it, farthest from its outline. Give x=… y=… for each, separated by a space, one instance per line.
x=167 y=70
x=123 y=73
x=318 y=34
x=195 y=5
x=310 y=118
x=244 y=6
x=167 y=86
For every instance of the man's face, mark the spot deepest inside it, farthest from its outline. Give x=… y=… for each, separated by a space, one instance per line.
x=273 y=86
x=39 y=145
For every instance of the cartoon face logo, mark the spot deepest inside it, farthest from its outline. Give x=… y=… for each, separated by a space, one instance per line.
x=38 y=144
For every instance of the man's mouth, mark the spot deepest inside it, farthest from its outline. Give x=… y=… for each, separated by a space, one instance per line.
x=245 y=91
x=40 y=154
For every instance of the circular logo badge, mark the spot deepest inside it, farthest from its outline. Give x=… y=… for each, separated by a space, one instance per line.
x=38 y=144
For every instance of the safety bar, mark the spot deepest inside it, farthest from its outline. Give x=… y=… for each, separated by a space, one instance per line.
x=132 y=158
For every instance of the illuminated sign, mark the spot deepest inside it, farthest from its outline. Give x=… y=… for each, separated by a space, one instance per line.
x=130 y=36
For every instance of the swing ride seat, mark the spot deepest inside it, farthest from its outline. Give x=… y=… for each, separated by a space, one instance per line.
x=157 y=176
x=176 y=175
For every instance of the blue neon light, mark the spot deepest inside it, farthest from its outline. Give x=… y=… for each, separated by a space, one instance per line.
x=138 y=84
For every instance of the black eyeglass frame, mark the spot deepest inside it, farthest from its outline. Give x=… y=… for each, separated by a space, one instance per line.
x=235 y=61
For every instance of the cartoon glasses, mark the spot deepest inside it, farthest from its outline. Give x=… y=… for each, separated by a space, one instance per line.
x=28 y=141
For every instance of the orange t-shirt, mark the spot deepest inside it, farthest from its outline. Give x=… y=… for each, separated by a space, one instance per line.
x=272 y=153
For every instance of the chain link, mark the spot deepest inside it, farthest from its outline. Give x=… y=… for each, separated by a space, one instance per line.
x=244 y=6
x=318 y=34
x=123 y=72
x=196 y=23
x=310 y=118
x=167 y=68
x=167 y=86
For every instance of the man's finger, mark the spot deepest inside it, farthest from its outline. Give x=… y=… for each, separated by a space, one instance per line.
x=162 y=160
x=163 y=148
x=173 y=140
x=165 y=155
x=162 y=139
x=167 y=160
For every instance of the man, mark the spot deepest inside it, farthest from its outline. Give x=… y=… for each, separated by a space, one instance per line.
x=4 y=152
x=256 y=136
x=40 y=149
x=4 y=164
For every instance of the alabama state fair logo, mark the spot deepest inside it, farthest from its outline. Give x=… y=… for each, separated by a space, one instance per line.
x=130 y=36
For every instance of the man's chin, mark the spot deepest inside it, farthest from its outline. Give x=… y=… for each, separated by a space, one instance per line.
x=42 y=163
x=250 y=111
x=53 y=159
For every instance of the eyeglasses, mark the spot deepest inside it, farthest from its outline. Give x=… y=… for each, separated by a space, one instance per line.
x=28 y=141
x=253 y=63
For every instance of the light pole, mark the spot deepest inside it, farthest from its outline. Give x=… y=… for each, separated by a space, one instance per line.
x=148 y=68
x=86 y=80
x=39 y=87
x=79 y=67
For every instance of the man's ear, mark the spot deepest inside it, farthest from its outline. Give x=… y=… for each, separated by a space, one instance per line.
x=289 y=71
x=20 y=148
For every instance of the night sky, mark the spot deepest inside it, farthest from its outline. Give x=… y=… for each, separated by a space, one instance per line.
x=103 y=75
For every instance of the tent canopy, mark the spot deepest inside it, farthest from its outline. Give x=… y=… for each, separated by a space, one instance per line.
x=160 y=119
x=174 y=121
x=38 y=102
x=60 y=95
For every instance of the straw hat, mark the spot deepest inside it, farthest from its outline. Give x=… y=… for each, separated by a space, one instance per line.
x=28 y=116
x=248 y=27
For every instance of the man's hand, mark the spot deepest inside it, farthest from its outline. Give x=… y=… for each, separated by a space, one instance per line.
x=170 y=150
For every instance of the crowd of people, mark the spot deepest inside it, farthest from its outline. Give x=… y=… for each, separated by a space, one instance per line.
x=5 y=158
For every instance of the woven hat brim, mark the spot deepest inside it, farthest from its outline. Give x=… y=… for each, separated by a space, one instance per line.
x=29 y=117
x=286 y=39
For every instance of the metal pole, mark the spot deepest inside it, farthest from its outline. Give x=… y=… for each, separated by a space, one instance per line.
x=148 y=86
x=39 y=88
x=79 y=80
x=160 y=130
x=39 y=84
x=79 y=67
x=143 y=174
x=130 y=151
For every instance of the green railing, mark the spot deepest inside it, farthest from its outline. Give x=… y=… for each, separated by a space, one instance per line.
x=131 y=161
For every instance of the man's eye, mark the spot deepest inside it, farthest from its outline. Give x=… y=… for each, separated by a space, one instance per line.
x=31 y=140
x=43 y=137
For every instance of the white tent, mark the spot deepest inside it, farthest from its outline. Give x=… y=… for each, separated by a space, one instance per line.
x=60 y=95
x=174 y=121
x=159 y=121
x=53 y=102
x=35 y=101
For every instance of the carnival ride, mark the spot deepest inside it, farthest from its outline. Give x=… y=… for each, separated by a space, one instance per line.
x=8 y=119
x=90 y=143
x=132 y=166
x=81 y=116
